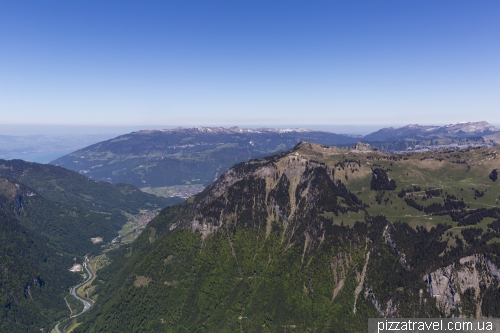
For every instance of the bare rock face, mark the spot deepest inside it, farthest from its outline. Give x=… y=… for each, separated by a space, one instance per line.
x=470 y=274
x=361 y=147
x=401 y=256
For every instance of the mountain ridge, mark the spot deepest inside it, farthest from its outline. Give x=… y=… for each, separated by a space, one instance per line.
x=184 y=156
x=316 y=238
x=69 y=208
x=233 y=129
x=195 y=156
x=33 y=271
x=480 y=128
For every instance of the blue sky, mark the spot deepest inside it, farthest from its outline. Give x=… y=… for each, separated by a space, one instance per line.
x=249 y=63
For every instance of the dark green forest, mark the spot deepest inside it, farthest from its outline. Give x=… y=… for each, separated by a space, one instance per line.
x=33 y=279
x=292 y=244
x=48 y=216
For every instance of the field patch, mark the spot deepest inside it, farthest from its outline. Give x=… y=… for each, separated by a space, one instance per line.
x=141 y=281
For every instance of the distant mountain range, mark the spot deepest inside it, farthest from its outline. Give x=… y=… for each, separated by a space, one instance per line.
x=477 y=129
x=264 y=230
x=184 y=156
x=416 y=138
x=188 y=156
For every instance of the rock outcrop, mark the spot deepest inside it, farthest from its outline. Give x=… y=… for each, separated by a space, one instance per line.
x=470 y=275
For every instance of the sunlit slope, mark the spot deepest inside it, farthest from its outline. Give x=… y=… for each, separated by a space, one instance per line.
x=183 y=156
x=64 y=202
x=65 y=228
x=464 y=175
x=412 y=138
x=315 y=239
x=66 y=186
x=47 y=225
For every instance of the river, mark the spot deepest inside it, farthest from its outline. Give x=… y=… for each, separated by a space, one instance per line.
x=86 y=304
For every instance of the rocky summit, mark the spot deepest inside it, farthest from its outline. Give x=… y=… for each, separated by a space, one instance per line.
x=319 y=239
x=156 y=161
x=184 y=156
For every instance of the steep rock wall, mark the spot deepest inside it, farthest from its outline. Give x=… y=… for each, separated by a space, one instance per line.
x=452 y=286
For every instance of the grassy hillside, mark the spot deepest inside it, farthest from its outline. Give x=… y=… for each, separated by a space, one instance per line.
x=70 y=208
x=315 y=239
x=183 y=156
x=66 y=228
x=45 y=226
x=160 y=161
x=69 y=187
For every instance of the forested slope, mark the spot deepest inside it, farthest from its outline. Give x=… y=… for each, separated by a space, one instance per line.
x=315 y=239
x=69 y=187
x=47 y=226
x=33 y=279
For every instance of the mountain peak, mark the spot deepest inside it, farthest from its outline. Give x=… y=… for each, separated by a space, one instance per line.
x=362 y=147
x=228 y=130
x=472 y=127
x=461 y=129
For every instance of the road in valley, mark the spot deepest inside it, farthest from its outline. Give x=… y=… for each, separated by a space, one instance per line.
x=86 y=304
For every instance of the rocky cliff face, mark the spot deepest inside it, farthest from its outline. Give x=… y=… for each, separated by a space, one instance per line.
x=184 y=156
x=461 y=285
x=288 y=192
x=302 y=240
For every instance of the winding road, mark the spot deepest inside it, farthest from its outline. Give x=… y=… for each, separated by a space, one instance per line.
x=86 y=304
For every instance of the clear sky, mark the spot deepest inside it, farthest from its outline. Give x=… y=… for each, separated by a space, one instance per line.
x=248 y=63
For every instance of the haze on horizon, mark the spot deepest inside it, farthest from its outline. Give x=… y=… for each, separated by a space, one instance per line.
x=318 y=65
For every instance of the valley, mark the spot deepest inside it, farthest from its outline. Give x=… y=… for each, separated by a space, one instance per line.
x=181 y=191
x=87 y=305
x=311 y=239
x=195 y=157
x=311 y=227
x=51 y=217
x=246 y=166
